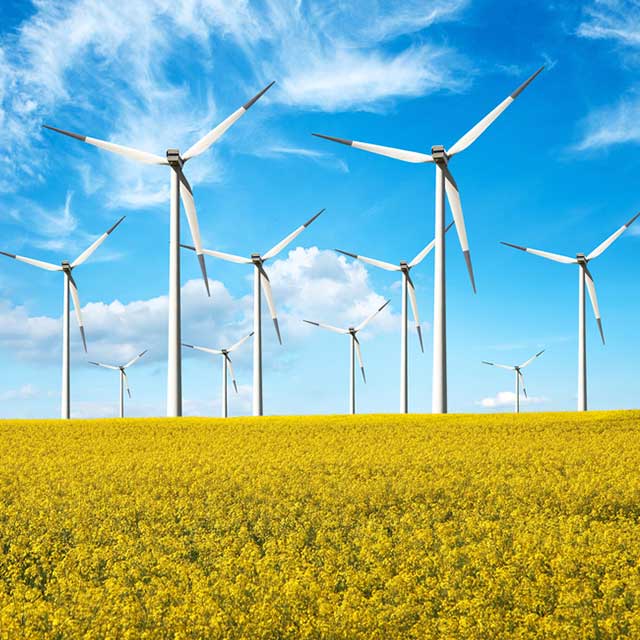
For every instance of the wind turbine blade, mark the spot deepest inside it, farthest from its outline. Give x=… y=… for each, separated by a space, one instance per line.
x=524 y=389
x=531 y=359
x=76 y=306
x=387 y=266
x=36 y=263
x=215 y=352
x=427 y=250
x=365 y=322
x=127 y=152
x=134 y=360
x=453 y=195
x=217 y=132
x=229 y=257
x=105 y=366
x=327 y=326
x=475 y=132
x=501 y=366
x=389 y=152
x=611 y=239
x=414 y=308
x=126 y=383
x=268 y=294
x=591 y=288
x=556 y=257
x=274 y=251
x=87 y=252
x=192 y=218
x=237 y=344
x=233 y=375
x=359 y=352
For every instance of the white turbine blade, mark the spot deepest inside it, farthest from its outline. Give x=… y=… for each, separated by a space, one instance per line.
x=127 y=152
x=192 y=218
x=215 y=352
x=501 y=366
x=591 y=288
x=453 y=195
x=611 y=239
x=105 y=366
x=274 y=251
x=268 y=294
x=359 y=353
x=126 y=383
x=134 y=360
x=216 y=133
x=524 y=389
x=414 y=308
x=365 y=322
x=76 y=306
x=475 y=132
x=327 y=326
x=526 y=363
x=390 y=152
x=387 y=266
x=36 y=263
x=233 y=375
x=556 y=257
x=229 y=257
x=87 y=252
x=427 y=250
x=237 y=344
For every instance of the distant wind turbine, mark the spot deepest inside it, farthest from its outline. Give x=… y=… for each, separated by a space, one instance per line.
x=69 y=285
x=226 y=362
x=260 y=282
x=354 y=348
x=584 y=275
x=124 y=381
x=407 y=286
x=444 y=183
x=180 y=188
x=519 y=376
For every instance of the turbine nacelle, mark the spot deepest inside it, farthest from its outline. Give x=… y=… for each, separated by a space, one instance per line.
x=581 y=258
x=439 y=154
x=66 y=266
x=256 y=258
x=174 y=158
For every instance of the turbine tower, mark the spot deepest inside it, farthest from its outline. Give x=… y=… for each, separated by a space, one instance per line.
x=407 y=287
x=260 y=282
x=584 y=276
x=69 y=286
x=226 y=362
x=354 y=348
x=444 y=183
x=519 y=375
x=124 y=381
x=180 y=189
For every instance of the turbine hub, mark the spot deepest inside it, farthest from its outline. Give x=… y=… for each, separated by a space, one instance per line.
x=439 y=154
x=174 y=158
x=66 y=265
x=581 y=258
x=256 y=258
x=404 y=265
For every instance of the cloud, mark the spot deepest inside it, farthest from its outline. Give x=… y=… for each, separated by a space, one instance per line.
x=614 y=124
x=25 y=392
x=507 y=399
x=319 y=157
x=617 y=20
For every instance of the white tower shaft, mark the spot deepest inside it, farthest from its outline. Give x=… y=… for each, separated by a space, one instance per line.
x=224 y=386
x=174 y=360
x=65 y=411
x=352 y=374
x=439 y=382
x=404 y=393
x=517 y=392
x=257 y=344
x=582 y=343
x=121 y=393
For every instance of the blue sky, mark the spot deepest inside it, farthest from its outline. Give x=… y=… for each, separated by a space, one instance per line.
x=557 y=171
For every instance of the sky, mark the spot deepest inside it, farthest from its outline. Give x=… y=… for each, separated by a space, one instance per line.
x=557 y=171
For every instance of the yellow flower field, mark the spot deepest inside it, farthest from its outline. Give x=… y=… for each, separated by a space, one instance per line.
x=324 y=527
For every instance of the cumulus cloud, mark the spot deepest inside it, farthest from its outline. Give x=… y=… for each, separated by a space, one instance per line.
x=507 y=399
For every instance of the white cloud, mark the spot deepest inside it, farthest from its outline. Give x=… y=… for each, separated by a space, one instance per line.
x=25 y=392
x=507 y=399
x=614 y=124
x=612 y=20
x=319 y=157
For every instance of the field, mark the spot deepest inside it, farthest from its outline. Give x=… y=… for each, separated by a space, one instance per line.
x=325 y=527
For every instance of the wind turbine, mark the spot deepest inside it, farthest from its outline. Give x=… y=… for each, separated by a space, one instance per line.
x=584 y=275
x=444 y=183
x=226 y=362
x=354 y=347
x=519 y=376
x=260 y=282
x=69 y=285
x=407 y=287
x=124 y=381
x=180 y=188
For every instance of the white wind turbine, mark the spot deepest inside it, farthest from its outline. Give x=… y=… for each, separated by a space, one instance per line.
x=124 y=381
x=407 y=287
x=226 y=362
x=69 y=285
x=444 y=183
x=519 y=376
x=180 y=188
x=584 y=275
x=260 y=282
x=354 y=348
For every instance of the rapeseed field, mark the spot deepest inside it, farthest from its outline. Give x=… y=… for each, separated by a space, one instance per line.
x=322 y=527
